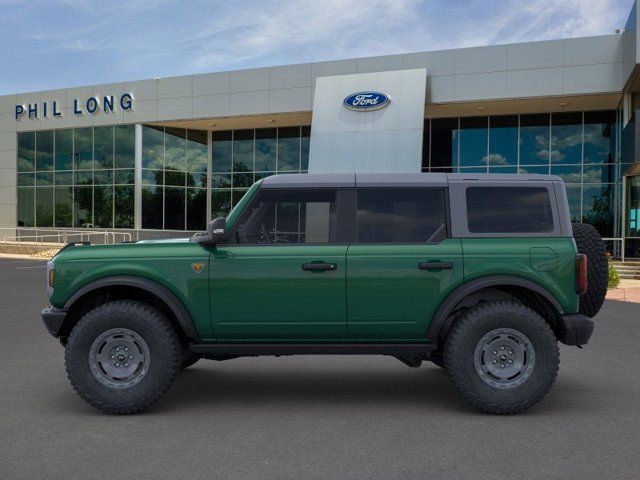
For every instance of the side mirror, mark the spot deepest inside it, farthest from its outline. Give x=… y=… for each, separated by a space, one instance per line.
x=216 y=232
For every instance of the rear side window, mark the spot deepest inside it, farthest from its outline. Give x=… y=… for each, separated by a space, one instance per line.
x=388 y=215
x=509 y=210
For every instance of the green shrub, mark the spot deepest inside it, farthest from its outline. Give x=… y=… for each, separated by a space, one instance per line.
x=614 y=276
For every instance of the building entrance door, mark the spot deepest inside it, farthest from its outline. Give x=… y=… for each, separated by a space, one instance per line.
x=632 y=216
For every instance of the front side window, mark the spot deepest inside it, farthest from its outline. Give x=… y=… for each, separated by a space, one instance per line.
x=287 y=217
x=509 y=210
x=389 y=215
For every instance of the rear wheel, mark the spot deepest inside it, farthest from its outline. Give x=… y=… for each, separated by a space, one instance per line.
x=502 y=357
x=589 y=242
x=122 y=356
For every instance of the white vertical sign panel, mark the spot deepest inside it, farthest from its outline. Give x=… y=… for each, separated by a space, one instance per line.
x=384 y=140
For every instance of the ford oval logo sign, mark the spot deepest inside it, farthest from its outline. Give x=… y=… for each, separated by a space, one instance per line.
x=366 y=101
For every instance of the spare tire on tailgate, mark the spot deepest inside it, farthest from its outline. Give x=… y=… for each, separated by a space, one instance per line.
x=589 y=242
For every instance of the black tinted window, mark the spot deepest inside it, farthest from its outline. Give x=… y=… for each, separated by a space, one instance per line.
x=509 y=210
x=389 y=215
x=289 y=217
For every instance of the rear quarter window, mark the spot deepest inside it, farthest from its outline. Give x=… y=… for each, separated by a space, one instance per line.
x=509 y=210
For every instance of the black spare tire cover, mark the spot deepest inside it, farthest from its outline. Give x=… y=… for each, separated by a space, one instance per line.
x=589 y=242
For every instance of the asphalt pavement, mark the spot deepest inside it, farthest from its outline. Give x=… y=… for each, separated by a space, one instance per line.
x=313 y=417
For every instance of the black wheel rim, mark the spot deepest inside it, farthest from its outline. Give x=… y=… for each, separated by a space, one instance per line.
x=119 y=358
x=504 y=358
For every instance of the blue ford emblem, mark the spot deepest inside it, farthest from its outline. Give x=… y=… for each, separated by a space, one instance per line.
x=365 y=101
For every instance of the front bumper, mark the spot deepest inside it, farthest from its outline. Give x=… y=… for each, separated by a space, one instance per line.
x=575 y=329
x=53 y=319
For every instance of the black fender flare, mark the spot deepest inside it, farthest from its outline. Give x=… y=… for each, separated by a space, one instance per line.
x=175 y=305
x=439 y=320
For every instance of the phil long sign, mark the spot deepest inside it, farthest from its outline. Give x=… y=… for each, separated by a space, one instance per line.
x=91 y=105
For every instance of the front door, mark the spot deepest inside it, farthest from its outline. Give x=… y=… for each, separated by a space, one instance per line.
x=402 y=263
x=632 y=216
x=284 y=277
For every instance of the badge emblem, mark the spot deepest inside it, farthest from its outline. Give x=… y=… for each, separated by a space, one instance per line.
x=197 y=267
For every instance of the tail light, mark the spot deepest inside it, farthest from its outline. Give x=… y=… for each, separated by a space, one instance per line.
x=581 y=274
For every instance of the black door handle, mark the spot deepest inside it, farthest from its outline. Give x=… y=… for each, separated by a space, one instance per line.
x=435 y=265
x=319 y=267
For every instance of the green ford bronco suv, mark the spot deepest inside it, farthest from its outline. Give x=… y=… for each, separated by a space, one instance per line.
x=480 y=274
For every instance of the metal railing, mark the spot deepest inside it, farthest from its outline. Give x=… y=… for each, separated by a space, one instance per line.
x=616 y=253
x=63 y=236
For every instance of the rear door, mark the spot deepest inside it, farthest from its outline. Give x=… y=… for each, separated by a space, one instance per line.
x=401 y=264
x=284 y=278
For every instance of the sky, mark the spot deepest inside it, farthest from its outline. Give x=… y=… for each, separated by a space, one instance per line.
x=48 y=44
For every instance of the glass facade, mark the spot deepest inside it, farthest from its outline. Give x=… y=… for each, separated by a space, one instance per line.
x=241 y=157
x=80 y=178
x=579 y=147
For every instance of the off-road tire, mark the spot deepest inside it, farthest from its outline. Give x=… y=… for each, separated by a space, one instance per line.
x=472 y=327
x=589 y=242
x=164 y=356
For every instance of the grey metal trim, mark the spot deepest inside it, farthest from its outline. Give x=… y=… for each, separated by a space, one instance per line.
x=439 y=322
x=176 y=306
x=313 y=180
x=564 y=213
x=401 y=180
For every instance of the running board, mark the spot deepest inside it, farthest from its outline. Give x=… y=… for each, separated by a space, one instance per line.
x=259 y=349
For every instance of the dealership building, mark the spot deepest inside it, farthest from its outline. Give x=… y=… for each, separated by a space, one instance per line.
x=161 y=157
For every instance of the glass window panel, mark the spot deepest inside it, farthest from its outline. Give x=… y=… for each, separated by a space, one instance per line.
x=174 y=200
x=473 y=141
x=83 y=206
x=265 y=149
x=242 y=180
x=124 y=176
x=174 y=178
x=196 y=151
x=26 y=179
x=540 y=170
x=196 y=209
x=243 y=150
x=103 y=147
x=221 y=181
x=444 y=143
x=599 y=137
x=64 y=206
x=289 y=217
x=597 y=207
x=305 y=138
x=289 y=149
x=501 y=169
x=425 y=145
x=570 y=174
x=152 y=147
x=574 y=196
x=44 y=207
x=103 y=177
x=471 y=170
x=175 y=149
x=103 y=207
x=83 y=177
x=26 y=151
x=125 y=151
x=64 y=150
x=237 y=195
x=534 y=139
x=124 y=206
x=44 y=179
x=197 y=179
x=503 y=140
x=261 y=175
x=401 y=216
x=64 y=178
x=83 y=148
x=566 y=138
x=44 y=150
x=152 y=207
x=509 y=210
x=599 y=173
x=26 y=202
x=152 y=177
x=220 y=203
x=221 y=146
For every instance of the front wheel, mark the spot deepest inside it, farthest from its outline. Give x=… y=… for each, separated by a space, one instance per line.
x=122 y=356
x=502 y=357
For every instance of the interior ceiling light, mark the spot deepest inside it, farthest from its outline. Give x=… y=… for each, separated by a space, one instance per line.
x=482 y=109
x=564 y=104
